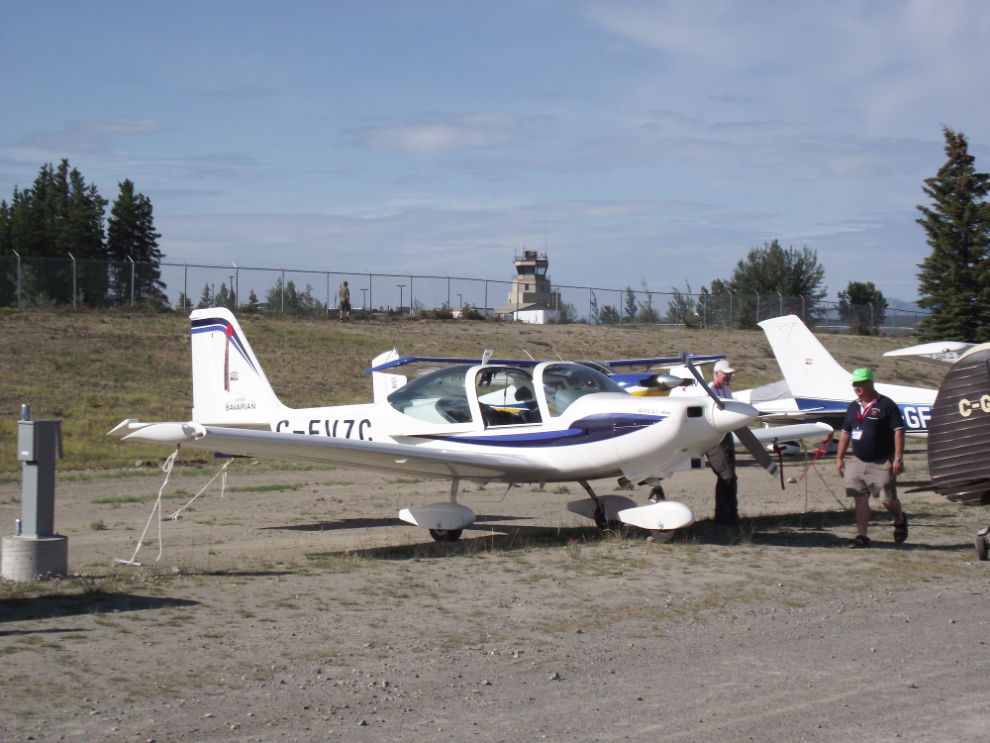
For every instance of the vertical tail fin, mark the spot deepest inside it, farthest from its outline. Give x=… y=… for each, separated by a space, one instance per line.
x=384 y=383
x=809 y=369
x=229 y=386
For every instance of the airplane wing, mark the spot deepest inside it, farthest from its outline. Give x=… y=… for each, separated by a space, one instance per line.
x=949 y=351
x=351 y=453
x=789 y=433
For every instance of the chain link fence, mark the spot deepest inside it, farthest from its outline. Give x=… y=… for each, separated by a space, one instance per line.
x=33 y=282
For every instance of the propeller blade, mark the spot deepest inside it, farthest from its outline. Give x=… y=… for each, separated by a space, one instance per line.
x=701 y=381
x=754 y=447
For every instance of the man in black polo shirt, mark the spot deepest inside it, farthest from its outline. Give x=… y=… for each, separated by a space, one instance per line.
x=874 y=425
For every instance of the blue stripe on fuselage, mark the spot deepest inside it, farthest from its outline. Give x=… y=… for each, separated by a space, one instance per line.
x=600 y=427
x=916 y=416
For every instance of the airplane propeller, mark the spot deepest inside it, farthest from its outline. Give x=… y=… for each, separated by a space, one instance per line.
x=761 y=455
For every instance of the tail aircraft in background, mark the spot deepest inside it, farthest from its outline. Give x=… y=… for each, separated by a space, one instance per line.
x=820 y=388
x=478 y=420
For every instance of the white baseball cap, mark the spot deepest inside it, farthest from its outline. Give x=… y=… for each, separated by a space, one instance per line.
x=724 y=366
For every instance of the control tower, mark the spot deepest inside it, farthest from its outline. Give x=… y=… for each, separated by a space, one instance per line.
x=531 y=298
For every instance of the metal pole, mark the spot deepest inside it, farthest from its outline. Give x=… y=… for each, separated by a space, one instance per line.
x=132 y=279
x=589 y=305
x=620 y=307
x=237 y=291
x=73 y=281
x=371 y=297
x=411 y=303
x=730 y=309
x=283 y=289
x=18 y=280
x=871 y=317
x=557 y=303
x=649 y=303
x=185 y=285
x=804 y=317
x=401 y=287
x=448 y=292
x=328 y=293
x=486 y=298
x=781 y=310
x=757 y=306
x=704 y=308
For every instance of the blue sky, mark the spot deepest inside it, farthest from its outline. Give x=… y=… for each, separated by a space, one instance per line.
x=638 y=140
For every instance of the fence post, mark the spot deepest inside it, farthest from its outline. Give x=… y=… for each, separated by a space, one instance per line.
x=328 y=291
x=132 y=279
x=804 y=316
x=895 y=322
x=411 y=303
x=237 y=282
x=649 y=303
x=283 y=289
x=486 y=297
x=371 y=296
x=730 y=310
x=871 y=318
x=757 y=306
x=185 y=285
x=73 y=281
x=590 y=293
x=704 y=308
x=781 y=310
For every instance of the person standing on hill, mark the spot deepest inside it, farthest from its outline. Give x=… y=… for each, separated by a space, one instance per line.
x=344 y=295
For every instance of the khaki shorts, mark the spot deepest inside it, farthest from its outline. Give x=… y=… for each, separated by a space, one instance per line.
x=870 y=478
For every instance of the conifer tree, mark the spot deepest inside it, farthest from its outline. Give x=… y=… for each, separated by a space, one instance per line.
x=955 y=277
x=131 y=236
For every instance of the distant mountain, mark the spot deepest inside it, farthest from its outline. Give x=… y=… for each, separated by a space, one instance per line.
x=899 y=304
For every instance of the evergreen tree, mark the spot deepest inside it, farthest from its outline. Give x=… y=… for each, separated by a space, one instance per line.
x=131 y=236
x=58 y=216
x=863 y=306
x=955 y=277
x=206 y=299
x=632 y=307
x=772 y=270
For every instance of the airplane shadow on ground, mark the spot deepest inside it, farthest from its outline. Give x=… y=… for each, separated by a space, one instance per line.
x=55 y=606
x=370 y=523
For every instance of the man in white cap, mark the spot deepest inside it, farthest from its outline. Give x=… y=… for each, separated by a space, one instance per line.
x=722 y=456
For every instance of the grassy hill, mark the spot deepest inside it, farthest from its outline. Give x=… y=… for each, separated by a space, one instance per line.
x=93 y=369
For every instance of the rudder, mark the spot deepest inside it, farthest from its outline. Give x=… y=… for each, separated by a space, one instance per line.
x=229 y=386
x=808 y=367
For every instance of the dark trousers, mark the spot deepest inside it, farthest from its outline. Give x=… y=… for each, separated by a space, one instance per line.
x=722 y=459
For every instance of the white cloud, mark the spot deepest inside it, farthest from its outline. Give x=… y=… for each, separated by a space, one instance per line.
x=465 y=132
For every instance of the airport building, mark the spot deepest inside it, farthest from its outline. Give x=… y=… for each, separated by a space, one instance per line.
x=531 y=299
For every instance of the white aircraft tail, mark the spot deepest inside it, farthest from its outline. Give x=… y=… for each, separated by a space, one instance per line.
x=809 y=369
x=385 y=383
x=229 y=386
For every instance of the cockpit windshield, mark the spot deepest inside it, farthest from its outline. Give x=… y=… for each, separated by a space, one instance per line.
x=437 y=397
x=565 y=383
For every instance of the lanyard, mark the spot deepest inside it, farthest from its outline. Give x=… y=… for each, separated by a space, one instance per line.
x=866 y=411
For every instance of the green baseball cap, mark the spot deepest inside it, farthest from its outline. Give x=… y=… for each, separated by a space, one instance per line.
x=862 y=375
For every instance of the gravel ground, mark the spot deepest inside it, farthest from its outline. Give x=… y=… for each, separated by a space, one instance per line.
x=298 y=607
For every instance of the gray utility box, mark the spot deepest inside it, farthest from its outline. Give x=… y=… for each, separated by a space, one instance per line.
x=39 y=444
x=36 y=552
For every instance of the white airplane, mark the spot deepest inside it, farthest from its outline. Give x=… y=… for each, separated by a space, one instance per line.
x=485 y=421
x=820 y=388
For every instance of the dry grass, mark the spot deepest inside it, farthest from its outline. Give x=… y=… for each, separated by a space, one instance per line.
x=93 y=369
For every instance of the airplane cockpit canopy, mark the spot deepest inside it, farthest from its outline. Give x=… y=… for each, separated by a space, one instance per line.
x=437 y=397
x=565 y=383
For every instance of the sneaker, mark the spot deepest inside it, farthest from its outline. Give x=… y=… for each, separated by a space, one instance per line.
x=901 y=530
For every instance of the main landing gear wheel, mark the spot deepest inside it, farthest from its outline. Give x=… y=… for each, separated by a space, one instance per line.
x=982 y=550
x=600 y=521
x=663 y=535
x=446 y=535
